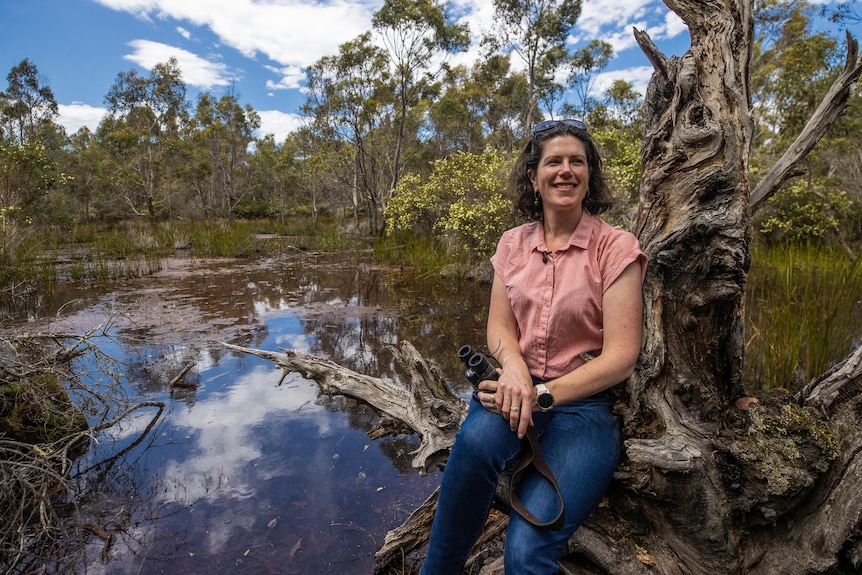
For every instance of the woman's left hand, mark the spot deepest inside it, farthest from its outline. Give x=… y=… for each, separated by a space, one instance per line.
x=515 y=395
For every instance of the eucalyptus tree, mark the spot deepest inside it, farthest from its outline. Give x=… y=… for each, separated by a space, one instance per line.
x=584 y=64
x=549 y=89
x=455 y=116
x=621 y=104
x=508 y=97
x=27 y=104
x=31 y=153
x=142 y=131
x=349 y=101
x=418 y=38
x=226 y=130
x=475 y=109
x=616 y=122
x=323 y=174
x=536 y=31
x=479 y=108
x=86 y=167
x=791 y=68
x=275 y=173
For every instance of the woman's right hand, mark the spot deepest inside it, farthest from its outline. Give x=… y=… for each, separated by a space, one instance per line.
x=488 y=395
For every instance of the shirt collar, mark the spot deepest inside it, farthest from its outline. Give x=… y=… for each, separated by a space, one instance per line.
x=580 y=238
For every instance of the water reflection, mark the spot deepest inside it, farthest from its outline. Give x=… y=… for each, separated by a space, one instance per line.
x=244 y=474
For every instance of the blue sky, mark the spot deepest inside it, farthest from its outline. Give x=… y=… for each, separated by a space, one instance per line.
x=257 y=47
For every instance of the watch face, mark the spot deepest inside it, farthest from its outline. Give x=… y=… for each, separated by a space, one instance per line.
x=545 y=400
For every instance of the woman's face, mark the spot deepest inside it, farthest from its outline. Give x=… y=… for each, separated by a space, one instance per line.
x=562 y=176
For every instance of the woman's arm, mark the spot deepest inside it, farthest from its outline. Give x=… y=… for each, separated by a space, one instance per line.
x=514 y=389
x=622 y=306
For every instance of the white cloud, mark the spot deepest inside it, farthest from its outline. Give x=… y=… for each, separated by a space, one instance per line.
x=291 y=78
x=183 y=32
x=638 y=77
x=196 y=71
x=279 y=124
x=289 y=32
x=597 y=15
x=613 y=22
x=76 y=115
x=223 y=431
x=674 y=26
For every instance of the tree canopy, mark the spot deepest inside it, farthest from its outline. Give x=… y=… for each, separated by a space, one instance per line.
x=389 y=104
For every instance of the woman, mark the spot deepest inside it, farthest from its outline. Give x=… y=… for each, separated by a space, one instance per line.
x=567 y=289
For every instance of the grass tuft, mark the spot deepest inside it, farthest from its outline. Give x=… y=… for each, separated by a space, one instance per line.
x=803 y=313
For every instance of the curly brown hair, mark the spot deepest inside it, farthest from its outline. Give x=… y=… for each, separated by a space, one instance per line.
x=528 y=204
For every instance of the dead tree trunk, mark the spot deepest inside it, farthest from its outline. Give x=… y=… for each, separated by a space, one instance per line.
x=698 y=493
x=424 y=405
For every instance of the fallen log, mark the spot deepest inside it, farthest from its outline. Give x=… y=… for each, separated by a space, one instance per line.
x=423 y=405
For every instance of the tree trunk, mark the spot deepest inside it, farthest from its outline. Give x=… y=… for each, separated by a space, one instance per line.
x=693 y=224
x=703 y=488
x=424 y=405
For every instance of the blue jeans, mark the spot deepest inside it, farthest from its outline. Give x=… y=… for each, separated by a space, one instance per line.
x=581 y=444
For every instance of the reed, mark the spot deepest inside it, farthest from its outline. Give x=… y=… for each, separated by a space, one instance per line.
x=113 y=252
x=803 y=313
x=262 y=237
x=135 y=248
x=423 y=254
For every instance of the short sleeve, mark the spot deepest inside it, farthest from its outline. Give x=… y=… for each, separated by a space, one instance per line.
x=618 y=250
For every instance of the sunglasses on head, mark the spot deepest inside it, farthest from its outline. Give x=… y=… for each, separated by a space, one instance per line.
x=548 y=124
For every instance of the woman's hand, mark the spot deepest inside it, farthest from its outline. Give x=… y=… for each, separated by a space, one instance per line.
x=515 y=396
x=510 y=397
x=488 y=395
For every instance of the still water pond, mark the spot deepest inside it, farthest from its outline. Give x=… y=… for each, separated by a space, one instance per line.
x=245 y=472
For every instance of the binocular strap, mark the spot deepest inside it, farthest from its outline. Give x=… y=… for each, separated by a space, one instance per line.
x=533 y=455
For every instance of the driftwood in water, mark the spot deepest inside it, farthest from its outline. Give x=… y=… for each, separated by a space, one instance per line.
x=424 y=405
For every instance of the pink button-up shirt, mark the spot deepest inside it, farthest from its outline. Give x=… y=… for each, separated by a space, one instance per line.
x=557 y=298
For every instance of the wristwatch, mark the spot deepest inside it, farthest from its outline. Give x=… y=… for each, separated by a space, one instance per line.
x=544 y=398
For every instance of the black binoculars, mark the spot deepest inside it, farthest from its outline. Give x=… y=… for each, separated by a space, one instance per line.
x=478 y=367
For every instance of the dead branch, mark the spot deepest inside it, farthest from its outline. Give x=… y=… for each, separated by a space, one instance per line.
x=42 y=433
x=842 y=382
x=424 y=405
x=832 y=105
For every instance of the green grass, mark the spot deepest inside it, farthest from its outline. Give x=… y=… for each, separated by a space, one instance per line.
x=135 y=248
x=803 y=313
x=423 y=254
